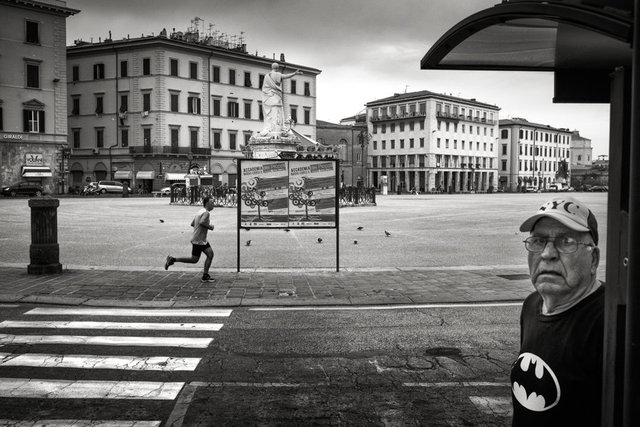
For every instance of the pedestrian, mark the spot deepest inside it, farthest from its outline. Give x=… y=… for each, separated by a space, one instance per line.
x=201 y=225
x=557 y=377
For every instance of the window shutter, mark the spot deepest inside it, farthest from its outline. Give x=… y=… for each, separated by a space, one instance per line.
x=25 y=118
x=41 y=121
x=198 y=105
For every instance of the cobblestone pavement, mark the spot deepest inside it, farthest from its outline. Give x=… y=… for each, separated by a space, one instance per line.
x=156 y=287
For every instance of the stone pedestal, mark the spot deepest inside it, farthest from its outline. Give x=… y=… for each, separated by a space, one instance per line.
x=275 y=145
x=44 y=251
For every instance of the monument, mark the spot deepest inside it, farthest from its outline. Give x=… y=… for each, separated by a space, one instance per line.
x=277 y=139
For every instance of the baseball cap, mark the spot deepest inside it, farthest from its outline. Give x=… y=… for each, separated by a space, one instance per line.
x=568 y=211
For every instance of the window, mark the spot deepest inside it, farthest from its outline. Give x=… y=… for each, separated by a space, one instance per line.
x=1 y=124
x=247 y=109
x=173 y=67
x=216 y=74
x=232 y=140
x=174 y=102
x=146 y=66
x=175 y=139
x=392 y=127
x=504 y=149
x=401 y=126
x=76 y=138
x=260 y=80
x=247 y=79
x=422 y=126
x=579 y=158
x=33 y=32
x=233 y=109
x=146 y=101
x=375 y=145
x=307 y=116
x=75 y=73
x=124 y=68
x=193 y=137
x=193 y=70
x=193 y=106
x=384 y=144
x=411 y=142
x=307 y=89
x=247 y=137
x=124 y=137
x=260 y=112
x=294 y=113
x=98 y=71
x=216 y=140
x=423 y=108
x=422 y=143
x=100 y=137
x=216 y=107
x=75 y=109
x=232 y=76
x=33 y=75
x=294 y=87
x=393 y=144
x=99 y=104
x=33 y=121
x=146 y=136
x=124 y=103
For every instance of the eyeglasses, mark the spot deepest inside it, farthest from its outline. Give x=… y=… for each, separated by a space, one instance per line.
x=563 y=244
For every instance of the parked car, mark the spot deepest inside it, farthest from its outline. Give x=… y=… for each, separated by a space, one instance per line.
x=111 y=187
x=23 y=188
x=557 y=187
x=166 y=191
x=531 y=189
x=599 y=188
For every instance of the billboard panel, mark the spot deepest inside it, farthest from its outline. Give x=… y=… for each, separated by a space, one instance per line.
x=312 y=194
x=264 y=192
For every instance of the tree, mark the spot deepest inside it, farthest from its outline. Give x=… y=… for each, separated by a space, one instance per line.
x=563 y=170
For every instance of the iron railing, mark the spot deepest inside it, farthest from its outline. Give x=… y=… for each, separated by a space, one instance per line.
x=357 y=196
x=222 y=196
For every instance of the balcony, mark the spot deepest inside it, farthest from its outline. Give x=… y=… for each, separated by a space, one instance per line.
x=448 y=117
x=392 y=117
x=168 y=149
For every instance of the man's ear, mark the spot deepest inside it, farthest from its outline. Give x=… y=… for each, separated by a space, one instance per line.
x=595 y=259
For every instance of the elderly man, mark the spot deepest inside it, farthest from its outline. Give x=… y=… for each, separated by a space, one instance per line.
x=557 y=378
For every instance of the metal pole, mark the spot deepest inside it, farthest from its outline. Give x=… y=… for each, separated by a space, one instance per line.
x=238 y=218
x=632 y=342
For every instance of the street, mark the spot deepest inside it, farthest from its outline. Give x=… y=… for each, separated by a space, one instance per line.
x=388 y=365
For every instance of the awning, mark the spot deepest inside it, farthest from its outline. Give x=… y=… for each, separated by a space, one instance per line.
x=145 y=175
x=123 y=175
x=36 y=171
x=174 y=176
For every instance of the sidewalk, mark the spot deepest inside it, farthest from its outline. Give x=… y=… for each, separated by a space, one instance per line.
x=144 y=287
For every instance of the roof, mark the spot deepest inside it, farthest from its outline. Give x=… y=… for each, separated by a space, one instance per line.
x=516 y=121
x=423 y=94
x=48 y=6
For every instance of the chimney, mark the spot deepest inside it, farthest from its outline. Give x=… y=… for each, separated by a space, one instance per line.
x=282 y=57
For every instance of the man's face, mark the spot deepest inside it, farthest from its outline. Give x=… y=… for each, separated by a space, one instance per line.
x=564 y=276
x=209 y=205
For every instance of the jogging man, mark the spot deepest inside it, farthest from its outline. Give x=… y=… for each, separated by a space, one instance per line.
x=201 y=225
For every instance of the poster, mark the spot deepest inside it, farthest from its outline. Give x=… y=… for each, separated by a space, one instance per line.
x=264 y=194
x=312 y=194
x=288 y=193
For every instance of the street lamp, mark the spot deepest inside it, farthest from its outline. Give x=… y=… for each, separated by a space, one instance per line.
x=363 y=140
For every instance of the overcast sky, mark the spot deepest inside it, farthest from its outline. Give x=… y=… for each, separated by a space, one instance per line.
x=366 y=50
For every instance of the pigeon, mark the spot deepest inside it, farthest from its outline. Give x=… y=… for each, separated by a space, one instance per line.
x=248 y=242
x=386 y=233
x=162 y=220
x=355 y=242
x=287 y=230
x=319 y=239
x=360 y=228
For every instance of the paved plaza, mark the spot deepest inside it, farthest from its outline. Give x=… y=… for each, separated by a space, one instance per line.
x=441 y=249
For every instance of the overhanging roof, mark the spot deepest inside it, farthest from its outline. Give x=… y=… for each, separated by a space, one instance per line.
x=581 y=43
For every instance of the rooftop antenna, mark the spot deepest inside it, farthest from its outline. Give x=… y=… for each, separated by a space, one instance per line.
x=405 y=88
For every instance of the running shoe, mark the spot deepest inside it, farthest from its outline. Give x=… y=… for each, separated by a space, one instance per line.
x=170 y=261
x=207 y=278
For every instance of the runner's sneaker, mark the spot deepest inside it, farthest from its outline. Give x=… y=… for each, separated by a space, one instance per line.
x=207 y=278
x=170 y=261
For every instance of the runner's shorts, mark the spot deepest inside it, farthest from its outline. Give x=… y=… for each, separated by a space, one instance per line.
x=198 y=249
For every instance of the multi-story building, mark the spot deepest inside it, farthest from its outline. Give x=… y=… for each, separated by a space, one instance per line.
x=33 y=92
x=533 y=155
x=432 y=142
x=352 y=142
x=148 y=110
x=581 y=150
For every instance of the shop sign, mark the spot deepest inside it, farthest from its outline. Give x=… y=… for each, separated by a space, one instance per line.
x=12 y=136
x=33 y=159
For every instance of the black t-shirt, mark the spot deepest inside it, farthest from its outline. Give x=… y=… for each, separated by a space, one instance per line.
x=557 y=378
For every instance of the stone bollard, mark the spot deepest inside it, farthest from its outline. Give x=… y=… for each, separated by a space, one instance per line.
x=44 y=251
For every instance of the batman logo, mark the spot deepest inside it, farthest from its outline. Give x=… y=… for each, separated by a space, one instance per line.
x=535 y=386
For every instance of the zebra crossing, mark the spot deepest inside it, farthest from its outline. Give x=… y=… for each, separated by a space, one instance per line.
x=103 y=331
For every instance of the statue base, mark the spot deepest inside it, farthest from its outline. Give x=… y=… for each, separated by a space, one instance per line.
x=274 y=145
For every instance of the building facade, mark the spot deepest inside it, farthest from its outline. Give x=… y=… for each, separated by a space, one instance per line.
x=148 y=110
x=581 y=150
x=352 y=142
x=33 y=92
x=533 y=155
x=432 y=142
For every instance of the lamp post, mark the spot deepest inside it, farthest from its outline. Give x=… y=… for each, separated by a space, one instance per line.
x=363 y=141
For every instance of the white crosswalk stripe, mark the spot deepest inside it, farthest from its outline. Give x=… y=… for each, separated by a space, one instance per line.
x=96 y=335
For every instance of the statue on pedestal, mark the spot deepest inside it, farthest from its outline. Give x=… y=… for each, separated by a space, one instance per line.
x=273 y=100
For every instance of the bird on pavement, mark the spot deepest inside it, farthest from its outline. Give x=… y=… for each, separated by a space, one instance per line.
x=287 y=230
x=360 y=228
x=355 y=242
x=162 y=220
x=386 y=233
x=248 y=242
x=319 y=239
